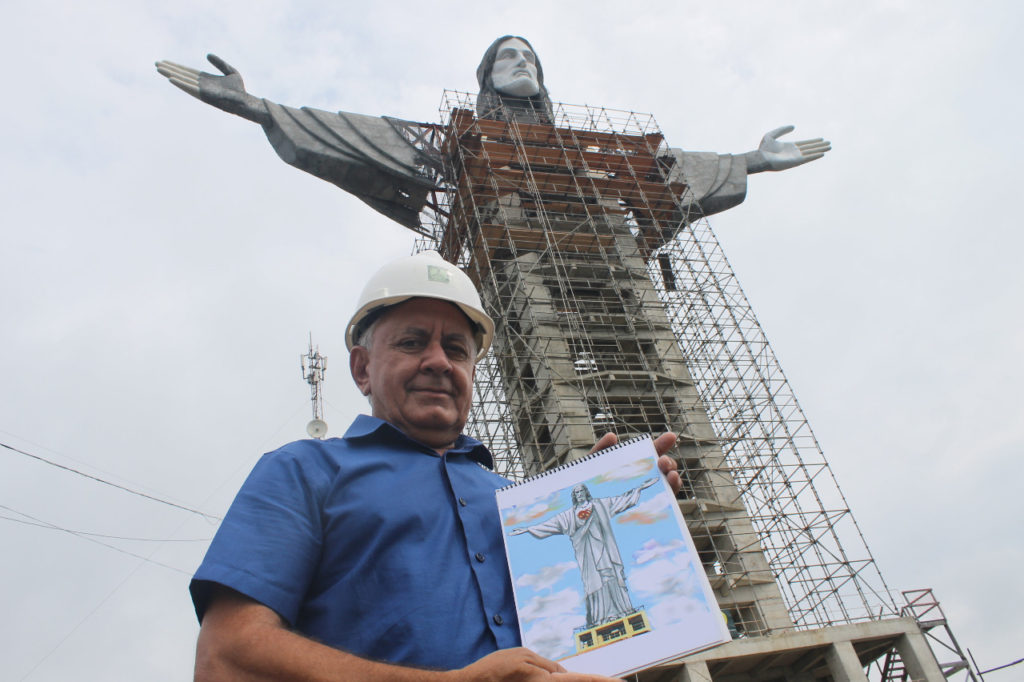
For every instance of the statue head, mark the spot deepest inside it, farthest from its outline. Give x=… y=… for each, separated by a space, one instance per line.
x=510 y=74
x=514 y=71
x=580 y=495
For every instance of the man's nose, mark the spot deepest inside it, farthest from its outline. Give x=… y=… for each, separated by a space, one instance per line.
x=435 y=359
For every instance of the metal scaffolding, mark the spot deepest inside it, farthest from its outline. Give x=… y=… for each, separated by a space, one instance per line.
x=617 y=310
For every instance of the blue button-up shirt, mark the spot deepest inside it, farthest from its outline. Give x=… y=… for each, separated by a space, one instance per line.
x=375 y=544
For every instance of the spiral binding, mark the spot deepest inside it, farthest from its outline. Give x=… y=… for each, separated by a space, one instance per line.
x=569 y=465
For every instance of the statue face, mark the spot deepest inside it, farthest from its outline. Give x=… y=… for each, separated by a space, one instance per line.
x=515 y=69
x=580 y=495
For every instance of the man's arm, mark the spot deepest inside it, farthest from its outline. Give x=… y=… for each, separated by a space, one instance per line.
x=241 y=639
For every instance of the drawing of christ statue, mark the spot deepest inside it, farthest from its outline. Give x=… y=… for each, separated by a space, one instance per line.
x=589 y=526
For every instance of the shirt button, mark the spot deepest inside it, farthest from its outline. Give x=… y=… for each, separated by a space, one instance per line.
x=480 y=558
x=462 y=501
x=498 y=620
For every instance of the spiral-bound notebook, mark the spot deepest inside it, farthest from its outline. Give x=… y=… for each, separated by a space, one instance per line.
x=605 y=573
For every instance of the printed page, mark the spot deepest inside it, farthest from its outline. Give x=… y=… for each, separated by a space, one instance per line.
x=605 y=574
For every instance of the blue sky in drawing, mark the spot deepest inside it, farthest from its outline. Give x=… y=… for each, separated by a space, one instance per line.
x=547 y=578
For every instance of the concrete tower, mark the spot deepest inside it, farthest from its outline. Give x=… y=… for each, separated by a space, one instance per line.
x=616 y=311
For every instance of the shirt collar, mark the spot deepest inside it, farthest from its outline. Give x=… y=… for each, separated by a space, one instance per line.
x=367 y=427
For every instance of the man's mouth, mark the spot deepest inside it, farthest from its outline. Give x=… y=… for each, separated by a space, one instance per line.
x=436 y=390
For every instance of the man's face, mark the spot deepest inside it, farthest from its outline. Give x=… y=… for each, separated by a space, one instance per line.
x=515 y=69
x=419 y=370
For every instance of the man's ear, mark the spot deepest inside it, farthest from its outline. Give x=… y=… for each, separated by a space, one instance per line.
x=358 y=365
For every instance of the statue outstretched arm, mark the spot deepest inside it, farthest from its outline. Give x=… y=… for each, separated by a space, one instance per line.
x=775 y=155
x=556 y=525
x=382 y=161
x=226 y=92
x=717 y=182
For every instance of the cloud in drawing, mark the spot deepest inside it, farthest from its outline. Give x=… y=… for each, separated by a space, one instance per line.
x=552 y=637
x=670 y=588
x=680 y=609
x=651 y=511
x=547 y=577
x=672 y=575
x=653 y=550
x=561 y=603
x=635 y=469
x=548 y=622
x=533 y=510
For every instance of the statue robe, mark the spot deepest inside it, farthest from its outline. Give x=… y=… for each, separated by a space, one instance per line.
x=597 y=553
x=384 y=162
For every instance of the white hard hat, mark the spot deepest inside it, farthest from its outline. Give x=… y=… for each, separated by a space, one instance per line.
x=425 y=275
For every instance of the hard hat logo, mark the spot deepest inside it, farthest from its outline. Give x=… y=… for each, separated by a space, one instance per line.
x=436 y=274
x=406 y=278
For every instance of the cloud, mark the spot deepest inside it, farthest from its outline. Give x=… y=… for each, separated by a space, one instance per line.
x=553 y=637
x=627 y=471
x=556 y=615
x=531 y=511
x=652 y=549
x=651 y=511
x=563 y=602
x=673 y=575
x=679 y=609
x=547 y=577
x=670 y=588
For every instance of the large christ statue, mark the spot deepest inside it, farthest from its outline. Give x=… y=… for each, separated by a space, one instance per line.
x=387 y=164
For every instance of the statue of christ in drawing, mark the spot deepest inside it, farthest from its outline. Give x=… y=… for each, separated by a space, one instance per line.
x=589 y=527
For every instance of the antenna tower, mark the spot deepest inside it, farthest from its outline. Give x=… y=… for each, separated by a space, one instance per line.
x=313 y=367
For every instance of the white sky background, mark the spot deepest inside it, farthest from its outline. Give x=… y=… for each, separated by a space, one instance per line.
x=162 y=269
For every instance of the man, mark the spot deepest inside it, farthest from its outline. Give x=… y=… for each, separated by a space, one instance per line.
x=378 y=556
x=588 y=526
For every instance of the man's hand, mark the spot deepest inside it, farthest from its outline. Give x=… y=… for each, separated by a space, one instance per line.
x=775 y=155
x=519 y=665
x=662 y=444
x=226 y=92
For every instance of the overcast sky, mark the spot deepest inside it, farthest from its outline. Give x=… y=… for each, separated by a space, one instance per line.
x=162 y=271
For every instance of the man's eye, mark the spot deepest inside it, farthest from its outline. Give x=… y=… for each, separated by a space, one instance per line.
x=459 y=352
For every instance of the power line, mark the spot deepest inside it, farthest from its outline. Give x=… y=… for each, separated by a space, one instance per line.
x=85 y=618
x=111 y=484
x=98 y=542
x=50 y=526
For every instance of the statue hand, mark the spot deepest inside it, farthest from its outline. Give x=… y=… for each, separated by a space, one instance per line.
x=773 y=154
x=517 y=531
x=226 y=92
